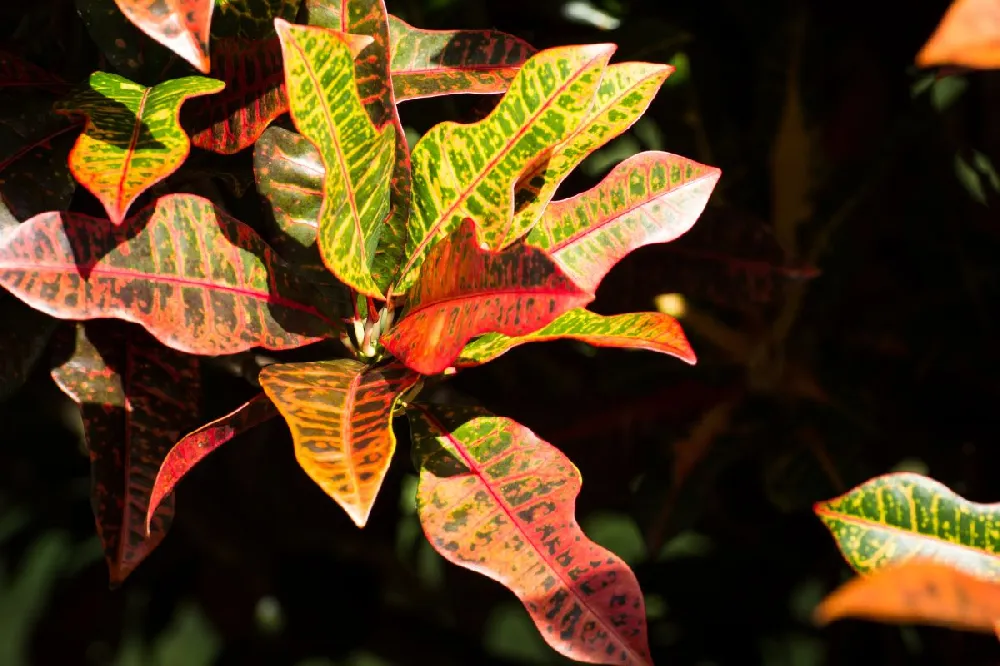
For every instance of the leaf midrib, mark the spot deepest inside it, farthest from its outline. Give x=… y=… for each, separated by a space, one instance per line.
x=120 y=205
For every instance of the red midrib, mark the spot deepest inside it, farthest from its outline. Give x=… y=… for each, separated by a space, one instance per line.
x=481 y=293
x=120 y=194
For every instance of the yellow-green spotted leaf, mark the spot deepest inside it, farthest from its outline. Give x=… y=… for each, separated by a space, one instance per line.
x=132 y=138
x=894 y=518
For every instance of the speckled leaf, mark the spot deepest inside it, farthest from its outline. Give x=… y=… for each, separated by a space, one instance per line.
x=470 y=170
x=199 y=280
x=340 y=415
x=652 y=197
x=496 y=499
x=193 y=447
x=638 y=330
x=181 y=25
x=357 y=157
x=896 y=517
x=466 y=291
x=136 y=398
x=129 y=51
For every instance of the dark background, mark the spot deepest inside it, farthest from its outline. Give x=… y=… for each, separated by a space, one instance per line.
x=840 y=292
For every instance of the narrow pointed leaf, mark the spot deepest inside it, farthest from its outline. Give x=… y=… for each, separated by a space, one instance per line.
x=132 y=138
x=340 y=415
x=198 y=280
x=357 y=157
x=895 y=517
x=193 y=447
x=470 y=170
x=652 y=197
x=496 y=499
x=639 y=330
x=181 y=25
x=466 y=291
x=968 y=36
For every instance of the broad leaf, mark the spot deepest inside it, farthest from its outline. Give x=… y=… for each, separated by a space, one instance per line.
x=129 y=51
x=470 y=170
x=132 y=138
x=28 y=123
x=496 y=499
x=652 y=197
x=180 y=25
x=199 y=280
x=136 y=399
x=357 y=157
x=340 y=415
x=968 y=36
x=465 y=291
x=895 y=517
x=640 y=330
x=193 y=448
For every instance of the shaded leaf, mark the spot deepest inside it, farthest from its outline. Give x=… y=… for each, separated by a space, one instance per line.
x=496 y=499
x=16 y=72
x=128 y=50
x=24 y=334
x=199 y=280
x=39 y=182
x=28 y=124
x=250 y=19
x=465 y=291
x=968 y=36
x=340 y=415
x=180 y=25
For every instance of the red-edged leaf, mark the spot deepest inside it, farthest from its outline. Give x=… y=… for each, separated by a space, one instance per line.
x=340 y=415
x=199 y=280
x=465 y=291
x=136 y=398
x=181 y=25
x=193 y=448
x=968 y=35
x=496 y=499
x=18 y=73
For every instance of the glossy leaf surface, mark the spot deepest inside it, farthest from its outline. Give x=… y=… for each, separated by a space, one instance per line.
x=496 y=499
x=896 y=517
x=652 y=197
x=968 y=36
x=132 y=138
x=466 y=291
x=199 y=280
x=181 y=25
x=340 y=415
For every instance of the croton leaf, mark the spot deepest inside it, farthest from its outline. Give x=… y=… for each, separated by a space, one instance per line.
x=132 y=138
x=136 y=397
x=652 y=197
x=28 y=123
x=340 y=415
x=181 y=25
x=250 y=19
x=199 y=280
x=193 y=447
x=357 y=157
x=16 y=72
x=466 y=291
x=24 y=334
x=496 y=499
x=968 y=35
x=654 y=331
x=895 y=517
x=470 y=170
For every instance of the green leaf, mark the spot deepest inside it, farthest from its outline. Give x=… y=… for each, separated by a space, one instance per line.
x=638 y=330
x=357 y=157
x=470 y=170
x=652 y=197
x=896 y=517
x=199 y=280
x=181 y=25
x=132 y=138
x=465 y=291
x=340 y=415
x=496 y=499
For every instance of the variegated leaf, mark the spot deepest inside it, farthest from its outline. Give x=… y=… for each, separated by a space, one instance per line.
x=182 y=26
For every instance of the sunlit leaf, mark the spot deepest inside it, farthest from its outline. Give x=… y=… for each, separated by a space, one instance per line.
x=180 y=25
x=968 y=36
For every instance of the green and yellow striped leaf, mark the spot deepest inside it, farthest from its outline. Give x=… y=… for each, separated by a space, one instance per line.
x=340 y=415
x=652 y=197
x=132 y=138
x=182 y=26
x=495 y=499
x=466 y=291
x=654 y=331
x=358 y=158
x=894 y=518
x=464 y=171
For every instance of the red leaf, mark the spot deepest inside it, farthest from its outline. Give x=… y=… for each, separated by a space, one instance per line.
x=18 y=73
x=180 y=25
x=968 y=35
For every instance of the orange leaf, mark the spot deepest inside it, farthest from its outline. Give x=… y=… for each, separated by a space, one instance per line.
x=968 y=36
x=180 y=25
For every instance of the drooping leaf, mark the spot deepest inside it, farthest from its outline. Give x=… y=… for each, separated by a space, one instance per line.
x=16 y=72
x=652 y=197
x=136 y=397
x=199 y=280
x=470 y=170
x=340 y=415
x=896 y=517
x=968 y=36
x=496 y=499
x=129 y=51
x=465 y=291
x=193 y=447
x=181 y=25
x=654 y=331
x=357 y=157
